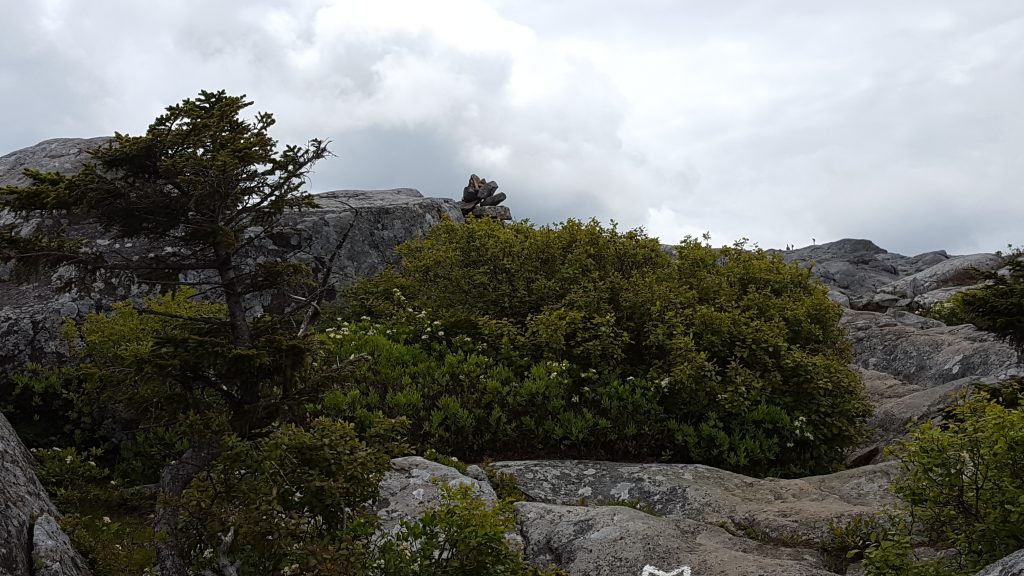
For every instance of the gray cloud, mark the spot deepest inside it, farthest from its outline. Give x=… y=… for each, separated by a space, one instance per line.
x=776 y=120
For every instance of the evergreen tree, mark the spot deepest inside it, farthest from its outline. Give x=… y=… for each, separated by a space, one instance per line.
x=210 y=184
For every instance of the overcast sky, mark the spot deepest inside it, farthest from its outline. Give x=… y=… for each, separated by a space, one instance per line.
x=895 y=120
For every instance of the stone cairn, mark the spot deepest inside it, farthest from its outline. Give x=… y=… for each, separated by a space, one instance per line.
x=480 y=198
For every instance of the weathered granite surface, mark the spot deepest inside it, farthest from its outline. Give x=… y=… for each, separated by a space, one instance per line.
x=22 y=500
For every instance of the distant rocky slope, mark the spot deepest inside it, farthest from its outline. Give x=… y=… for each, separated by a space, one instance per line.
x=715 y=522
x=865 y=277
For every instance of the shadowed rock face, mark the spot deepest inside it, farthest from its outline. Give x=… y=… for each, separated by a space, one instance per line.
x=22 y=500
x=922 y=351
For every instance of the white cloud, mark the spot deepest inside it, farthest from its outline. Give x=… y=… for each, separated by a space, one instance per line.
x=775 y=120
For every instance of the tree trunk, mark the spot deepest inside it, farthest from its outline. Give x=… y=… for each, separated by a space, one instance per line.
x=170 y=560
x=240 y=334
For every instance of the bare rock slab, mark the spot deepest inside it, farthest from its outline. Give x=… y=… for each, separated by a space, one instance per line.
x=616 y=540
x=52 y=553
x=921 y=351
x=413 y=486
x=794 y=510
x=22 y=500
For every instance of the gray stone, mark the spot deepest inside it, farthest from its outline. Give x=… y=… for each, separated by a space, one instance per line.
x=22 y=499
x=853 y=267
x=839 y=298
x=957 y=271
x=477 y=473
x=798 y=509
x=919 y=351
x=497 y=212
x=939 y=295
x=615 y=540
x=52 y=553
x=890 y=420
x=1012 y=565
x=64 y=155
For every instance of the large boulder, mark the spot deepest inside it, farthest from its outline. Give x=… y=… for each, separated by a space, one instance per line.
x=780 y=509
x=413 y=486
x=616 y=540
x=64 y=155
x=874 y=279
x=27 y=526
x=918 y=350
x=853 y=267
x=960 y=271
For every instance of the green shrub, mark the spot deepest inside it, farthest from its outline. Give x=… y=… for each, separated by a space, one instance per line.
x=293 y=502
x=962 y=483
x=105 y=521
x=951 y=312
x=999 y=305
x=299 y=502
x=462 y=537
x=451 y=461
x=581 y=341
x=121 y=547
x=847 y=543
x=961 y=490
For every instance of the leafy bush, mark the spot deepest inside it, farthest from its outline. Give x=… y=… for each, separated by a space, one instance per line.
x=105 y=521
x=951 y=312
x=293 y=502
x=298 y=502
x=581 y=341
x=462 y=537
x=961 y=490
x=963 y=483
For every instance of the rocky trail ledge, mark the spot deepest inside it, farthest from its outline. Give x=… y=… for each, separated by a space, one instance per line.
x=589 y=518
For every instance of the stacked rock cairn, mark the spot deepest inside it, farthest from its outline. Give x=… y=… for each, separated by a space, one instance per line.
x=480 y=193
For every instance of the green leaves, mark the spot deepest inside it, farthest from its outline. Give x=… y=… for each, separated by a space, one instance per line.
x=961 y=483
x=583 y=341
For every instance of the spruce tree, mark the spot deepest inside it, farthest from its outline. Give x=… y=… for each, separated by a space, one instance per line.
x=209 y=184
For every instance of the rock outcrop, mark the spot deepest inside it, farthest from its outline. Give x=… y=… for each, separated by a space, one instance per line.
x=64 y=155
x=872 y=278
x=413 y=486
x=922 y=351
x=779 y=510
x=367 y=224
x=27 y=527
x=914 y=367
x=593 y=518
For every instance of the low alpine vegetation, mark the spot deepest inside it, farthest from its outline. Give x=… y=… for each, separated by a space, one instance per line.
x=582 y=341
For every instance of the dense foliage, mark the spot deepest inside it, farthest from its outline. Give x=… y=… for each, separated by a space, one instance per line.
x=581 y=341
x=961 y=492
x=183 y=432
x=295 y=498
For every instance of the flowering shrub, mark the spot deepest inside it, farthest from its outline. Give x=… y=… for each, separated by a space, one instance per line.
x=581 y=341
